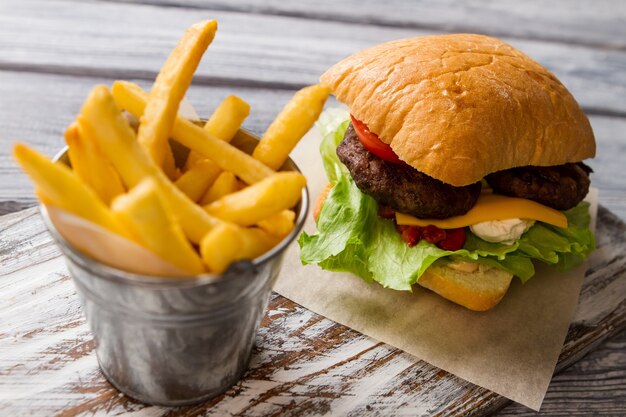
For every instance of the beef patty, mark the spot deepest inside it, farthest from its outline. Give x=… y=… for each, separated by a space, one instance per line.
x=560 y=187
x=401 y=186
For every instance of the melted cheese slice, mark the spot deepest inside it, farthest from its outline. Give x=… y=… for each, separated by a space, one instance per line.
x=492 y=207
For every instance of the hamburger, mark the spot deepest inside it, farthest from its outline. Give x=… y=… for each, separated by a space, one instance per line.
x=458 y=165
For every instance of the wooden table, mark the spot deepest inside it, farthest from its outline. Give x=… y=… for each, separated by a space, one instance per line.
x=52 y=52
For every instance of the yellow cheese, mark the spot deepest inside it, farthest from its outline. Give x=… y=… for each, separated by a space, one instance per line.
x=492 y=207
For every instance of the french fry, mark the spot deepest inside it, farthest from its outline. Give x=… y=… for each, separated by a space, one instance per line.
x=133 y=164
x=130 y=97
x=226 y=183
x=196 y=181
x=61 y=188
x=223 y=123
x=225 y=244
x=90 y=165
x=226 y=120
x=226 y=156
x=280 y=224
x=291 y=124
x=108 y=158
x=259 y=201
x=117 y=140
x=169 y=89
x=201 y=172
x=143 y=212
x=169 y=165
x=43 y=199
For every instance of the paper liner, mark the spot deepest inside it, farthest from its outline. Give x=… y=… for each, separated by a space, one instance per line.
x=109 y=248
x=511 y=350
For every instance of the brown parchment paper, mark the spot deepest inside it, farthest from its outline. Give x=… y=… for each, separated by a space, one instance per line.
x=511 y=350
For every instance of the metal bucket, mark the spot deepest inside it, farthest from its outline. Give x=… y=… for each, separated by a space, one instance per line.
x=176 y=341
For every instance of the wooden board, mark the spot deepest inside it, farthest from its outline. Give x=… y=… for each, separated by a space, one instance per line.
x=303 y=364
x=132 y=41
x=561 y=20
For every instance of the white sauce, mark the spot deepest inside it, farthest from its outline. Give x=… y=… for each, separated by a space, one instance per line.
x=502 y=231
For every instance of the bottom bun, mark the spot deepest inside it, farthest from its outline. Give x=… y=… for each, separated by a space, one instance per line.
x=480 y=290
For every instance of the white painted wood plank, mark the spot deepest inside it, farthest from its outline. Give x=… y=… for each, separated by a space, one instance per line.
x=100 y=38
x=560 y=20
x=594 y=386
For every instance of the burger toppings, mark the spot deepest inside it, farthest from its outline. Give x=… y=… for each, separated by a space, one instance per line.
x=560 y=187
x=447 y=239
x=386 y=212
x=372 y=143
x=355 y=235
x=493 y=207
x=450 y=239
x=431 y=210
x=502 y=231
x=401 y=186
x=420 y=200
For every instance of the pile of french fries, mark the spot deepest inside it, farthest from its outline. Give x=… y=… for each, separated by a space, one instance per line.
x=220 y=206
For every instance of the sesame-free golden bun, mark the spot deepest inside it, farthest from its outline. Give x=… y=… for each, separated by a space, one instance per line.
x=458 y=107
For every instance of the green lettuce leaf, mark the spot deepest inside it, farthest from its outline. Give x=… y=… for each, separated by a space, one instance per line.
x=564 y=248
x=352 y=237
x=333 y=124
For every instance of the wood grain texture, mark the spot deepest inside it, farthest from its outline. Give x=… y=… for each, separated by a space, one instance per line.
x=594 y=386
x=36 y=108
x=561 y=21
x=132 y=41
x=303 y=364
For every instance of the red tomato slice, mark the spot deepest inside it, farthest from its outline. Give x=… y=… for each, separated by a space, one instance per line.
x=373 y=144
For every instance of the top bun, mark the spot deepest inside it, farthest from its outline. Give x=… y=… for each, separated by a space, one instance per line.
x=458 y=107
